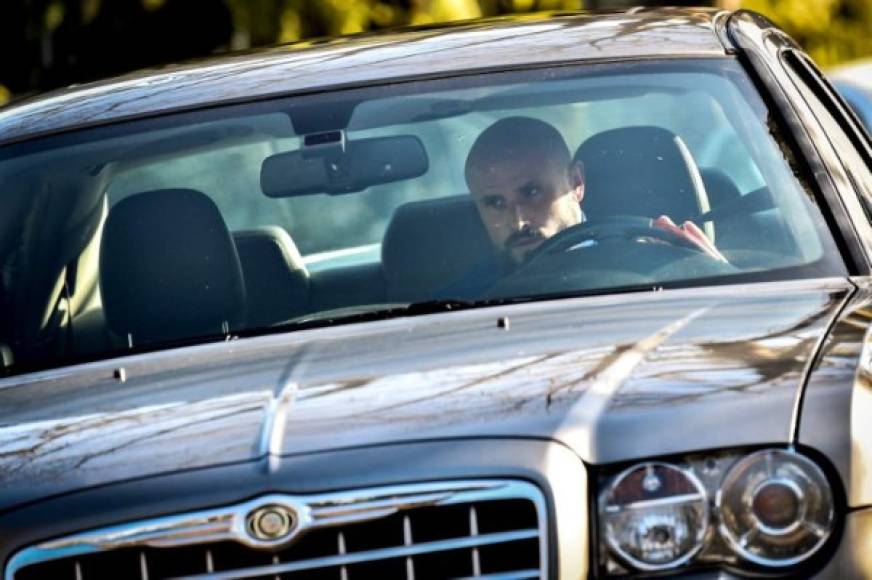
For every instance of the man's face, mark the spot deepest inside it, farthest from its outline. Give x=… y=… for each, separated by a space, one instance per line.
x=525 y=198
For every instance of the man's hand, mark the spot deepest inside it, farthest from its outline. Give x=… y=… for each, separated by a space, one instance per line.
x=690 y=232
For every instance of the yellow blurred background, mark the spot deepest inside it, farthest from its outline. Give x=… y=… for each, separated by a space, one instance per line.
x=51 y=43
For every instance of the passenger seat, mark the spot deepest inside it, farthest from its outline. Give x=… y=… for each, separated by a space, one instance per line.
x=169 y=269
x=430 y=244
x=276 y=279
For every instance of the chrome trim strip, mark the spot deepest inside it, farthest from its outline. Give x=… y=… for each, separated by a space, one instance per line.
x=407 y=551
x=275 y=421
x=860 y=484
x=719 y=25
x=347 y=513
x=813 y=360
x=313 y=512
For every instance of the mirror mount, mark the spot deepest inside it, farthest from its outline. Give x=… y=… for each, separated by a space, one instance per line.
x=330 y=148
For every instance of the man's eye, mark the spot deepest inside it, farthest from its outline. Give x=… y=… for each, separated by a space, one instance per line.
x=494 y=202
x=531 y=191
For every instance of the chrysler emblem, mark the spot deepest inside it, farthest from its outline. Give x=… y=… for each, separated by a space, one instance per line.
x=271 y=523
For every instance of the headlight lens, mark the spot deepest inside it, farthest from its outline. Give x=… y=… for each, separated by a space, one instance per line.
x=772 y=508
x=656 y=516
x=776 y=508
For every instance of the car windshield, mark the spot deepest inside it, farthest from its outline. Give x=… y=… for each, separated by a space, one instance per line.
x=473 y=190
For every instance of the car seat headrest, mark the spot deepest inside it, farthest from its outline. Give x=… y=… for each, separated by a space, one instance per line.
x=169 y=268
x=276 y=279
x=429 y=244
x=640 y=170
x=719 y=187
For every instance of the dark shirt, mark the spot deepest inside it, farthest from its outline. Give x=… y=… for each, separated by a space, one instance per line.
x=475 y=283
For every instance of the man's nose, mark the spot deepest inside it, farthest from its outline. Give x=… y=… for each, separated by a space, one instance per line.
x=521 y=221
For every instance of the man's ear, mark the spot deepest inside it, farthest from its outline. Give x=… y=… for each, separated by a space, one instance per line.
x=576 y=179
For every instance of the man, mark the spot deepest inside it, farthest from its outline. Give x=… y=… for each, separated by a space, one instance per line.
x=527 y=188
x=524 y=183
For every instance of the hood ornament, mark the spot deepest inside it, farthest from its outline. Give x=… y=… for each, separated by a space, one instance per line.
x=271 y=523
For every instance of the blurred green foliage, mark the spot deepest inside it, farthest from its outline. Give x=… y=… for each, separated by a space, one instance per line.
x=59 y=42
x=831 y=31
x=50 y=43
x=267 y=21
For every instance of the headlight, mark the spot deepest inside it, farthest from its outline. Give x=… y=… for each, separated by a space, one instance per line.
x=776 y=508
x=655 y=516
x=773 y=508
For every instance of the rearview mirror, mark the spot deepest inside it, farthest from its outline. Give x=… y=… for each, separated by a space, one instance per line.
x=343 y=166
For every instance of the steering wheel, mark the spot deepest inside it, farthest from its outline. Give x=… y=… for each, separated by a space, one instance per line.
x=625 y=227
x=619 y=257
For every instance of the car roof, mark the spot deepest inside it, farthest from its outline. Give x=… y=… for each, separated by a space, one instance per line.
x=487 y=44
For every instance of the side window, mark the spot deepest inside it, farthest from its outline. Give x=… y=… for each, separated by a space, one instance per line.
x=849 y=141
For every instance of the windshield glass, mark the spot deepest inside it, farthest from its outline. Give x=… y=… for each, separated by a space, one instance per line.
x=477 y=189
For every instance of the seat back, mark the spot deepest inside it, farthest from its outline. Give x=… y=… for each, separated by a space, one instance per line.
x=642 y=170
x=169 y=268
x=429 y=244
x=743 y=232
x=276 y=280
x=720 y=188
x=47 y=220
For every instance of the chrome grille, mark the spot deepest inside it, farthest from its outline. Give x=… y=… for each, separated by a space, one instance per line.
x=467 y=529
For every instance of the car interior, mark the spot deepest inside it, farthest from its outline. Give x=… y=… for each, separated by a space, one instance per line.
x=85 y=275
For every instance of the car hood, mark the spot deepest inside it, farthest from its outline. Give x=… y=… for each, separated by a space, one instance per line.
x=612 y=377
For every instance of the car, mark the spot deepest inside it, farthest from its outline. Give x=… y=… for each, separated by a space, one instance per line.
x=557 y=296
x=854 y=83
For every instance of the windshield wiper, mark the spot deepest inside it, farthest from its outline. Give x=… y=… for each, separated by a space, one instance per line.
x=434 y=306
x=373 y=313
x=351 y=315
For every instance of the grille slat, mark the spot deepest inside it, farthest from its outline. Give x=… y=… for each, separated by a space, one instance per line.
x=276 y=561
x=490 y=530
x=473 y=531
x=143 y=566
x=407 y=541
x=371 y=555
x=343 y=570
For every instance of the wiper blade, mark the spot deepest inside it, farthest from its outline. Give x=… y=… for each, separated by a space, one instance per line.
x=434 y=306
x=377 y=312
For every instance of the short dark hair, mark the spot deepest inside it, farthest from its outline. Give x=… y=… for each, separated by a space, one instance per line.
x=509 y=133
